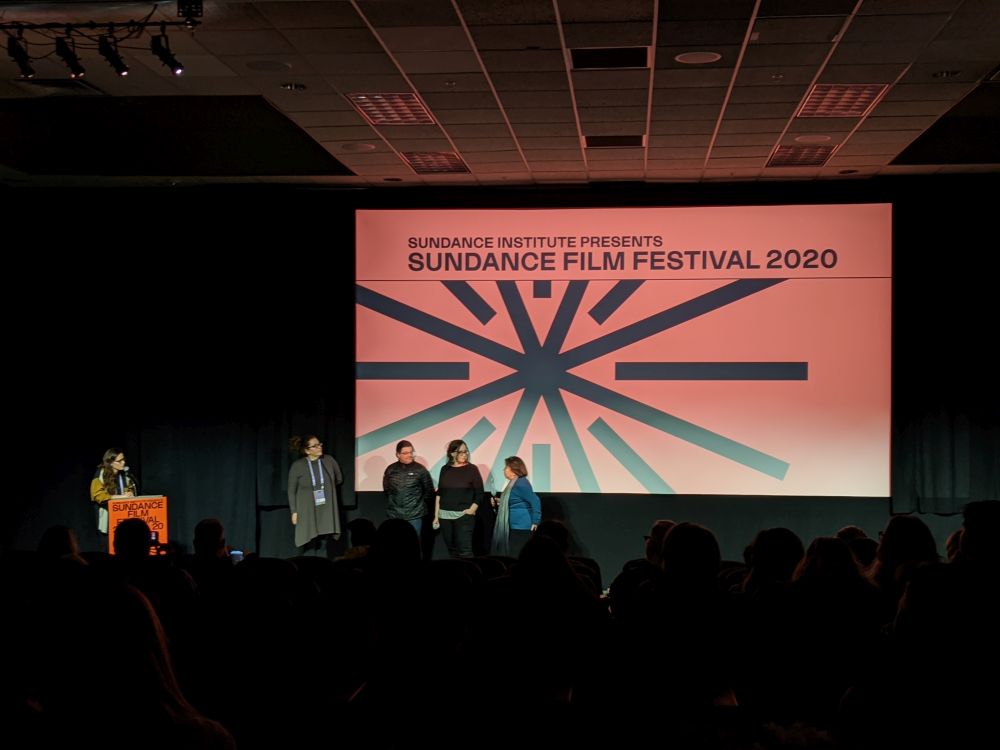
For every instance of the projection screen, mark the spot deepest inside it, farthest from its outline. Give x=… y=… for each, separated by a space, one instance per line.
x=710 y=350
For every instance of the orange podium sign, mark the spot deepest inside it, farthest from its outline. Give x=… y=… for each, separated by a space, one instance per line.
x=150 y=508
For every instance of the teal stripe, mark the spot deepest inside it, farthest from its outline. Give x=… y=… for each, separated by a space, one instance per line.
x=628 y=458
x=540 y=470
x=514 y=437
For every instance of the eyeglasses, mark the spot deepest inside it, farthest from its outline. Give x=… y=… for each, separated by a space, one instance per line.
x=314 y=445
x=118 y=461
x=462 y=453
x=406 y=453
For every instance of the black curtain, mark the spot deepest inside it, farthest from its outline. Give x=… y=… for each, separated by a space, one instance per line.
x=946 y=423
x=198 y=352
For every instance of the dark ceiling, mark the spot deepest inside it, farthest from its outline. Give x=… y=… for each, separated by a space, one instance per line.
x=506 y=92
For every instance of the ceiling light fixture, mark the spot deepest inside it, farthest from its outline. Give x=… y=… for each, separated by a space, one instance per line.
x=800 y=156
x=160 y=46
x=435 y=162
x=19 y=54
x=697 y=58
x=108 y=47
x=841 y=99
x=391 y=109
x=66 y=49
x=67 y=39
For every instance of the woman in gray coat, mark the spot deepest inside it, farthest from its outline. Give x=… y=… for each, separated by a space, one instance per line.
x=312 y=492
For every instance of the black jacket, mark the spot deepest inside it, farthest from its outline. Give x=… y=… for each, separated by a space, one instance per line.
x=408 y=489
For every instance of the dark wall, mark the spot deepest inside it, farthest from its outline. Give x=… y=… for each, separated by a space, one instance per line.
x=199 y=329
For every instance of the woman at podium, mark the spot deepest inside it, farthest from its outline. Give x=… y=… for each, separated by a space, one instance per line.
x=111 y=482
x=312 y=493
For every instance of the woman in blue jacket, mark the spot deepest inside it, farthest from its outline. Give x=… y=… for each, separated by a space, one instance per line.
x=518 y=511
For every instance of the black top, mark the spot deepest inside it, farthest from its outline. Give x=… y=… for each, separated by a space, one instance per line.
x=407 y=487
x=460 y=486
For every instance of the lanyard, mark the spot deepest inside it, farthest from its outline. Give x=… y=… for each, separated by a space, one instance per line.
x=316 y=482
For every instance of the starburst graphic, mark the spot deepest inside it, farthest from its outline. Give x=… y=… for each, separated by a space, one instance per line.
x=542 y=373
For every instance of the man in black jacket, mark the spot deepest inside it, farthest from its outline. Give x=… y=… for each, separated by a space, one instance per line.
x=408 y=487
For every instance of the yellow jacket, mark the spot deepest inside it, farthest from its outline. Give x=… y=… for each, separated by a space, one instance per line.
x=100 y=495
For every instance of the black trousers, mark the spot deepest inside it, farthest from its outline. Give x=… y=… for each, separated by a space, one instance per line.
x=458 y=535
x=517 y=539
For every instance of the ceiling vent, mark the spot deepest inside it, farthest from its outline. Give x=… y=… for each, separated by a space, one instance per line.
x=614 y=141
x=391 y=109
x=841 y=100
x=800 y=156
x=435 y=162
x=610 y=58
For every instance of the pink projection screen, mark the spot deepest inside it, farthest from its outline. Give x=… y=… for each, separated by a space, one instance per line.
x=731 y=350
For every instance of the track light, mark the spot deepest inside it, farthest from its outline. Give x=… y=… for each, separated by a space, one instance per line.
x=19 y=55
x=161 y=48
x=108 y=47
x=42 y=37
x=64 y=48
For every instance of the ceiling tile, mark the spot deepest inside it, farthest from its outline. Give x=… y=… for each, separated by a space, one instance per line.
x=612 y=98
x=783 y=55
x=487 y=12
x=606 y=79
x=508 y=61
x=414 y=63
x=468 y=116
x=544 y=130
x=548 y=115
x=613 y=114
x=797 y=30
x=395 y=13
x=425 y=39
x=304 y=14
x=608 y=34
x=510 y=37
x=703 y=32
x=342 y=41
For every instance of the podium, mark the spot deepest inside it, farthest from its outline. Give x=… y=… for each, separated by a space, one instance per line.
x=150 y=508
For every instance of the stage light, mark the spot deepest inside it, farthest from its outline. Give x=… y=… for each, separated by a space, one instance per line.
x=161 y=48
x=19 y=55
x=64 y=48
x=108 y=47
x=43 y=37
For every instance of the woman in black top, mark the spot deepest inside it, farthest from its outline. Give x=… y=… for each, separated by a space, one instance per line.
x=460 y=488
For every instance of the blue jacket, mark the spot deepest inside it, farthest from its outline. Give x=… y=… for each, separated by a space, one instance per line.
x=524 y=506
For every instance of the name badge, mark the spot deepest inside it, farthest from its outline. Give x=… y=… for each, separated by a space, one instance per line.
x=319 y=496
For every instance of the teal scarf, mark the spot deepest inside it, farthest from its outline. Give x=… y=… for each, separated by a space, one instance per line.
x=501 y=529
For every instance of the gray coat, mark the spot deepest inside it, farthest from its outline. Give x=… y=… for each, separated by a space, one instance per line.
x=314 y=521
